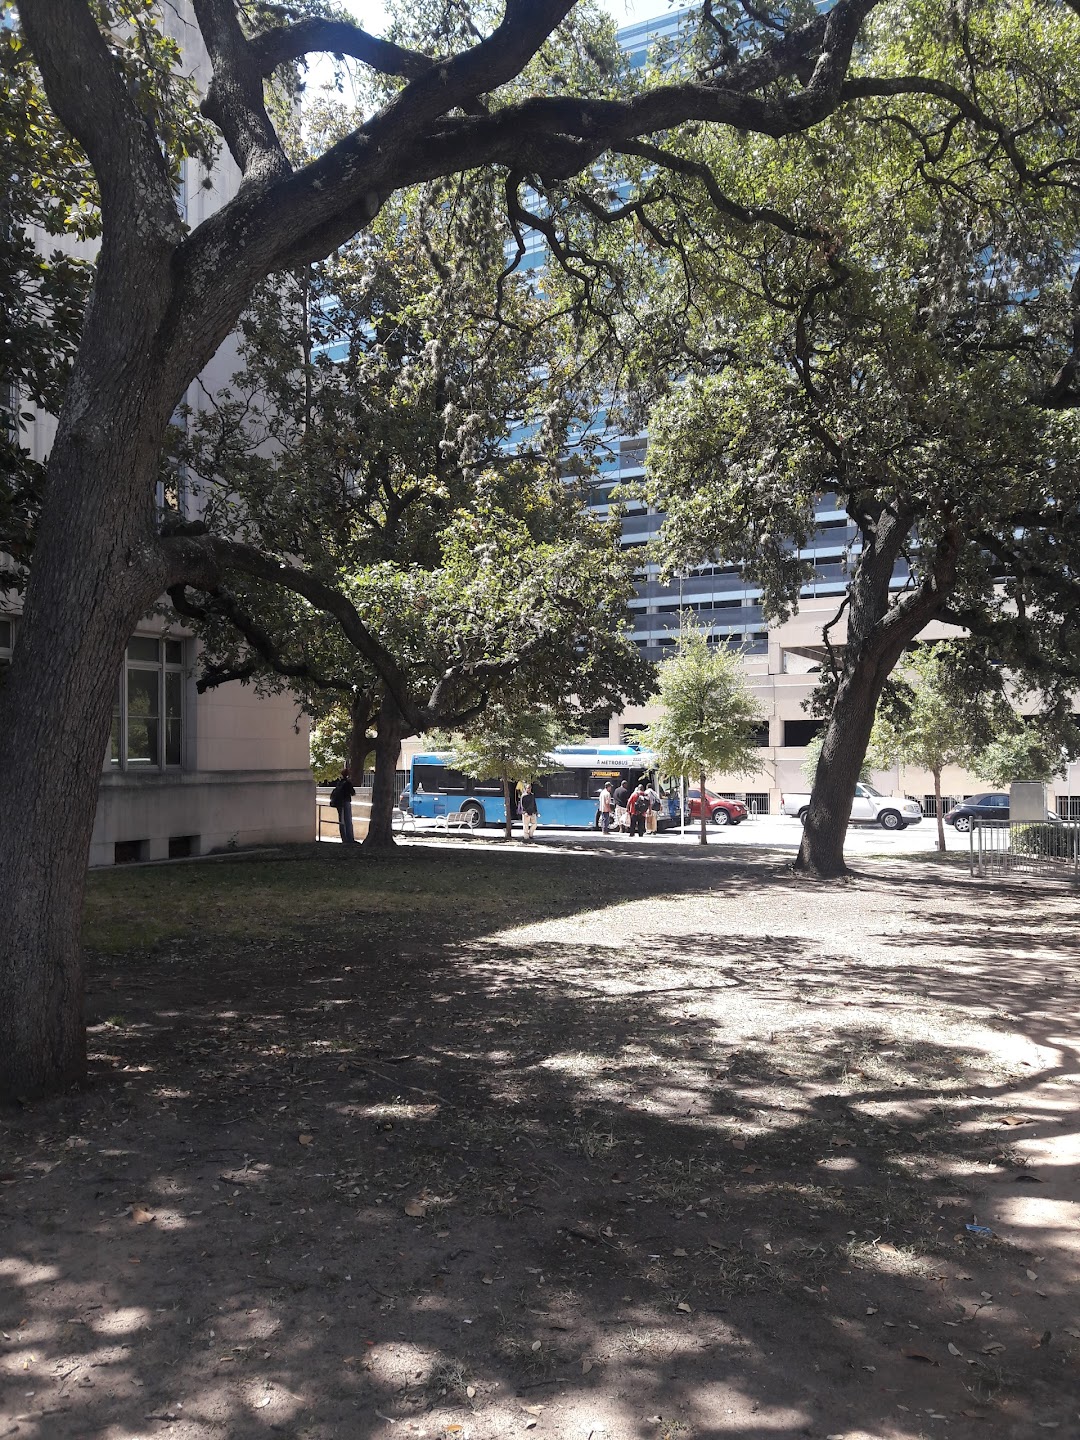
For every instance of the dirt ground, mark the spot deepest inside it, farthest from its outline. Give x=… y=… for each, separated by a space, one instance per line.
x=474 y=1143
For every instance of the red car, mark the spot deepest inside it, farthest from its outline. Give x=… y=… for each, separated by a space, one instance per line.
x=720 y=812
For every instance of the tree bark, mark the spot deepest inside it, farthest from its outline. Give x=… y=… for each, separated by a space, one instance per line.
x=508 y=828
x=878 y=632
x=388 y=737
x=937 y=810
x=81 y=605
x=703 y=812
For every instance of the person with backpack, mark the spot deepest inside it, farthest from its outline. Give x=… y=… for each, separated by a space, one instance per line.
x=639 y=807
x=341 y=798
x=654 y=807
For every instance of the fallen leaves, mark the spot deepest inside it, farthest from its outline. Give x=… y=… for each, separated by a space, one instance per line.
x=919 y=1355
x=1011 y=1121
x=141 y=1215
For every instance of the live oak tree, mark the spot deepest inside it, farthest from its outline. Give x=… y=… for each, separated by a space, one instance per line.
x=708 y=715
x=396 y=443
x=883 y=313
x=166 y=296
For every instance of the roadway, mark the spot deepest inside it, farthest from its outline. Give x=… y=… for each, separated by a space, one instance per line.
x=759 y=831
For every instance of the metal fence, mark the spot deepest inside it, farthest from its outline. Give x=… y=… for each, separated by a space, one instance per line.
x=999 y=847
x=756 y=802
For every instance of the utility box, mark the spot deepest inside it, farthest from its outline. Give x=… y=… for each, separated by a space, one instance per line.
x=1027 y=802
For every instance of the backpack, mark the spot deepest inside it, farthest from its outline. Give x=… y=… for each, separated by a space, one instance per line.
x=639 y=805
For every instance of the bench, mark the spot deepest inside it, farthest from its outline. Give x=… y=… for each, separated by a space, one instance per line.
x=404 y=820
x=456 y=820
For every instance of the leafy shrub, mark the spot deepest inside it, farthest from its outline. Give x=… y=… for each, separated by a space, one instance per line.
x=1060 y=842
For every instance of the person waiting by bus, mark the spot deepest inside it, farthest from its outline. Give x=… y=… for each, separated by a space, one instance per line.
x=621 y=796
x=653 y=811
x=530 y=814
x=639 y=807
x=607 y=807
x=341 y=798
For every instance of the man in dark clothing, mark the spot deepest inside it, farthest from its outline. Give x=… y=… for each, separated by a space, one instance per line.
x=622 y=794
x=639 y=807
x=341 y=798
x=529 y=814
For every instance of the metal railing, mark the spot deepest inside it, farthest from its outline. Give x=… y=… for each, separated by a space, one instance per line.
x=1001 y=847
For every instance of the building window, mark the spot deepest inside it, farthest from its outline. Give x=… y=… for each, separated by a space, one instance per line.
x=800 y=732
x=148 y=713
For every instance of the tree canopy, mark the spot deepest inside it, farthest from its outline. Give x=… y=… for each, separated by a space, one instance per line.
x=878 y=315
x=395 y=449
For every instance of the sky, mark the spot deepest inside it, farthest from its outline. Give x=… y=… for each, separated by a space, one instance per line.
x=369 y=13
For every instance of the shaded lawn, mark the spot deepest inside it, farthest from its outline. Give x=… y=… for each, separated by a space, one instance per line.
x=629 y=1145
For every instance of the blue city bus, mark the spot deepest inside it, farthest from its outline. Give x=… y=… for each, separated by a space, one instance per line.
x=566 y=793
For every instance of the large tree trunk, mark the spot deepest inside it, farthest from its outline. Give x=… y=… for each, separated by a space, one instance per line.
x=847 y=735
x=93 y=577
x=508 y=806
x=388 y=737
x=703 y=812
x=878 y=632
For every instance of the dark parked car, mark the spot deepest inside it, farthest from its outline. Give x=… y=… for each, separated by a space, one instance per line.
x=992 y=806
x=719 y=811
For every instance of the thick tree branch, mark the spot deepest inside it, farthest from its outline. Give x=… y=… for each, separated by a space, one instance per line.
x=416 y=139
x=202 y=561
x=871 y=87
x=234 y=101
x=257 y=638
x=318 y=35
x=1063 y=392
x=86 y=89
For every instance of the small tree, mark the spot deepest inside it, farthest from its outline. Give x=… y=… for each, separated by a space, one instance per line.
x=708 y=716
x=1029 y=751
x=937 y=714
x=511 y=742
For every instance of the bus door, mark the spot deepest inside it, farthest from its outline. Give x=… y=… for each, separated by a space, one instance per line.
x=598 y=778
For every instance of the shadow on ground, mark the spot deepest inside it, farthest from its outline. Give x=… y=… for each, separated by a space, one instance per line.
x=479 y=1144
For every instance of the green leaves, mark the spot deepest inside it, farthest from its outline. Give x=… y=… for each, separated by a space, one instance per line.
x=708 y=713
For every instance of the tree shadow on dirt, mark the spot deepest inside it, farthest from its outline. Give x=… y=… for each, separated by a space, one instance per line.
x=655 y=1183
